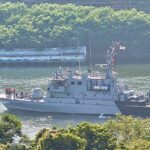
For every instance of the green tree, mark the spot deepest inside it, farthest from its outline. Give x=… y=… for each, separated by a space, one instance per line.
x=55 y=140
x=9 y=127
x=3 y=147
x=96 y=136
x=127 y=129
x=138 y=144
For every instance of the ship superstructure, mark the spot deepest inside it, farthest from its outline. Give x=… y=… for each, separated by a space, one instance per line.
x=93 y=86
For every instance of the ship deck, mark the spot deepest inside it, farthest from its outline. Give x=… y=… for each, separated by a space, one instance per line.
x=4 y=97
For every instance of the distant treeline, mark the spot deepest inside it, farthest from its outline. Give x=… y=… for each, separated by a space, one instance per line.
x=50 y=25
x=143 y=5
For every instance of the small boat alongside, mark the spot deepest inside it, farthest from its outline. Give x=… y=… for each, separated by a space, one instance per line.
x=134 y=107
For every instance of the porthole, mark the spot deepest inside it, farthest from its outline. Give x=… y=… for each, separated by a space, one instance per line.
x=72 y=82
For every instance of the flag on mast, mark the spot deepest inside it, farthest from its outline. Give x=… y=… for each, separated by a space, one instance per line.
x=122 y=48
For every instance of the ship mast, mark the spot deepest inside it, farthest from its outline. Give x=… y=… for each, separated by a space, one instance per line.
x=62 y=63
x=78 y=52
x=90 y=48
x=110 y=60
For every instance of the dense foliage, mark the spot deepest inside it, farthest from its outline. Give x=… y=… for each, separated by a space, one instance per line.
x=52 y=140
x=9 y=127
x=122 y=132
x=46 y=25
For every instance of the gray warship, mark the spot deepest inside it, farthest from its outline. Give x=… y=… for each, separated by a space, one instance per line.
x=92 y=92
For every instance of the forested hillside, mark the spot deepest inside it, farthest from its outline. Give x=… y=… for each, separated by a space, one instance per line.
x=50 y=25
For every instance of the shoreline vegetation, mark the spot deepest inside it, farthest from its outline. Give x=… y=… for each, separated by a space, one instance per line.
x=119 y=133
x=46 y=25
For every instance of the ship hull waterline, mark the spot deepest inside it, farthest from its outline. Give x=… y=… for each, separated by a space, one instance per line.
x=47 y=107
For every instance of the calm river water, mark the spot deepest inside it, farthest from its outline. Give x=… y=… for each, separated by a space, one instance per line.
x=137 y=76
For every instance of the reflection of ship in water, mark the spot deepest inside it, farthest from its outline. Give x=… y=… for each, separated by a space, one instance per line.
x=46 y=56
x=92 y=92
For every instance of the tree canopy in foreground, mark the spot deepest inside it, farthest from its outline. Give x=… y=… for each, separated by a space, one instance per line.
x=122 y=132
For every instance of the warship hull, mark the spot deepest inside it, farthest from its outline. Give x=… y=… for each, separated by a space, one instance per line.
x=125 y=108
x=49 y=107
x=140 y=109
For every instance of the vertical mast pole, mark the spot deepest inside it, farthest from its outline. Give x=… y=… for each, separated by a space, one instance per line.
x=62 y=63
x=110 y=56
x=90 y=47
x=79 y=66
